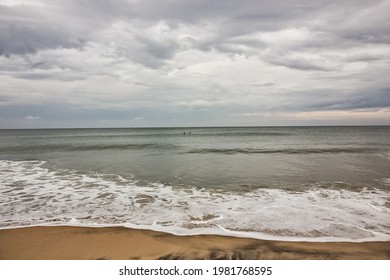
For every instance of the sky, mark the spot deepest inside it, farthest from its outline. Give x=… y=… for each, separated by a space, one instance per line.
x=133 y=63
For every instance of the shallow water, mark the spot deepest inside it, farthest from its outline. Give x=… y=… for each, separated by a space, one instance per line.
x=301 y=183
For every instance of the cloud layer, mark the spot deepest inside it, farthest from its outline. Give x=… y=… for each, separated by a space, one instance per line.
x=193 y=63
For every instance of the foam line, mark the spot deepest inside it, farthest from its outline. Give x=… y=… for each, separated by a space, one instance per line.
x=33 y=194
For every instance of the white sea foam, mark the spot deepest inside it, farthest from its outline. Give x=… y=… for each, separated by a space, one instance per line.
x=32 y=194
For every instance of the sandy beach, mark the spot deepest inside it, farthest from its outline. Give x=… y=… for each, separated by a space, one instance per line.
x=118 y=243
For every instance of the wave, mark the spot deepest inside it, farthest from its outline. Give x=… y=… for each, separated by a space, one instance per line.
x=86 y=147
x=182 y=149
x=230 y=151
x=33 y=194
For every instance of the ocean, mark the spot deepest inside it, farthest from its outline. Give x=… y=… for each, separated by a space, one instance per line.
x=279 y=183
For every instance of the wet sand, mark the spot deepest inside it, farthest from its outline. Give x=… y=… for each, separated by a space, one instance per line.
x=118 y=243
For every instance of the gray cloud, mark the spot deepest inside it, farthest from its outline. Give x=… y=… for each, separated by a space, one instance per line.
x=54 y=76
x=168 y=59
x=22 y=32
x=324 y=101
x=27 y=39
x=368 y=99
x=297 y=63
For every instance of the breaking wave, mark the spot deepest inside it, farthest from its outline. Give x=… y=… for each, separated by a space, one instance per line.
x=33 y=194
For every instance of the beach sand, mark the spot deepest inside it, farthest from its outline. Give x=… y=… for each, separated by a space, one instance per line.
x=118 y=243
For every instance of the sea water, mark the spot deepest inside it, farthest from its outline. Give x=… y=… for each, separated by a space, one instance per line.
x=282 y=183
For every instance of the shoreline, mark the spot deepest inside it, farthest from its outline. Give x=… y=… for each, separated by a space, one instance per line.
x=119 y=243
x=184 y=232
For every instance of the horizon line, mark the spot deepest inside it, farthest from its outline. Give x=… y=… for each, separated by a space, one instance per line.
x=221 y=126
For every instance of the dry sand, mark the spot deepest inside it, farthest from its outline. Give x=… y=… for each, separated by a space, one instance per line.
x=76 y=243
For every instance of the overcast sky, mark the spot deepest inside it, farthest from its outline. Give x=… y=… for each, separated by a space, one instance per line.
x=131 y=63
